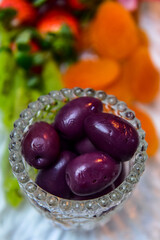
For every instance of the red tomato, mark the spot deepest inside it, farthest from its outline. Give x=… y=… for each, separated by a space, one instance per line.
x=55 y=19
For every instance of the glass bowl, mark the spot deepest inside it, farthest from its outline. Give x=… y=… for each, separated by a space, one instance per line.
x=73 y=214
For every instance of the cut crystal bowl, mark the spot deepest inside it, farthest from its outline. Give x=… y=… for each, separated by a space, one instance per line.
x=73 y=214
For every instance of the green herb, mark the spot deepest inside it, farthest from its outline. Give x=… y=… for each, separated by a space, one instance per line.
x=38 y=3
x=24 y=59
x=6 y=15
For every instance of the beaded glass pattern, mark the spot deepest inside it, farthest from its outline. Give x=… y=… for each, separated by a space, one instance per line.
x=73 y=214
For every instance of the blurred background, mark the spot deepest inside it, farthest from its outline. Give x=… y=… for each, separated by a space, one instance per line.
x=113 y=46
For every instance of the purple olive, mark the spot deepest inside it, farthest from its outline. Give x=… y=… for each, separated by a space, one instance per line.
x=96 y=195
x=85 y=146
x=69 y=120
x=112 y=134
x=53 y=180
x=40 y=145
x=123 y=174
x=66 y=145
x=91 y=173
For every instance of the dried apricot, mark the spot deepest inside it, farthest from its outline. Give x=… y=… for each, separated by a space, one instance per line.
x=97 y=73
x=84 y=42
x=114 y=31
x=143 y=76
x=149 y=128
x=143 y=38
x=121 y=87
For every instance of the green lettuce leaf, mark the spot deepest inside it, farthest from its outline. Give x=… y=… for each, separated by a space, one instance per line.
x=51 y=77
